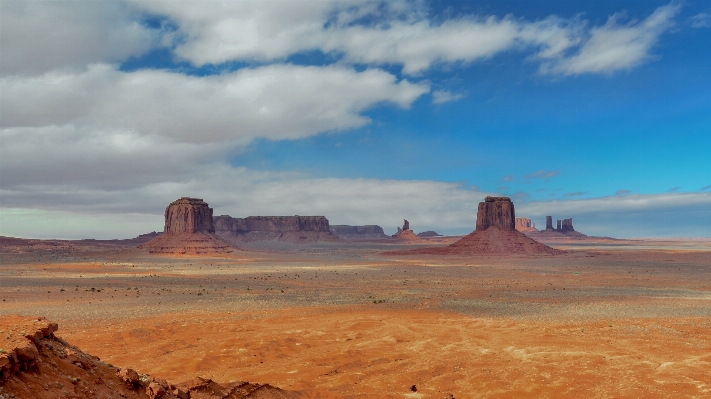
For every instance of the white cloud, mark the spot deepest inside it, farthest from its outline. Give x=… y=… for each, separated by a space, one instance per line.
x=701 y=20
x=240 y=192
x=397 y=33
x=444 y=96
x=614 y=46
x=274 y=102
x=39 y=36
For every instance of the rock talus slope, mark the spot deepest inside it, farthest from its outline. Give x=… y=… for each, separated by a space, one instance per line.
x=34 y=363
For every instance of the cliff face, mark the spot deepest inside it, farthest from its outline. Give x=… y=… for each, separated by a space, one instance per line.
x=271 y=223
x=188 y=215
x=368 y=232
x=294 y=229
x=525 y=225
x=497 y=212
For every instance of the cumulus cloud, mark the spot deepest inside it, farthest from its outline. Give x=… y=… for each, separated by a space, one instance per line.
x=673 y=189
x=701 y=20
x=622 y=192
x=39 y=36
x=615 y=46
x=275 y=102
x=368 y=32
x=705 y=188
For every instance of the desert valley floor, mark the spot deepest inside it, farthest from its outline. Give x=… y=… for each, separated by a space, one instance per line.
x=628 y=319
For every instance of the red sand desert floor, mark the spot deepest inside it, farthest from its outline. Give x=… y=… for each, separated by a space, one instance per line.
x=604 y=320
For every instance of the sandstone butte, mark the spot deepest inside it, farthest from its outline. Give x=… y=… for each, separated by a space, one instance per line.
x=404 y=234
x=35 y=363
x=495 y=234
x=525 y=225
x=291 y=229
x=563 y=231
x=188 y=230
x=367 y=232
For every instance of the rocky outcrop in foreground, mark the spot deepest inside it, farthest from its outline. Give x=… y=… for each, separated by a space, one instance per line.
x=354 y=233
x=495 y=234
x=292 y=229
x=188 y=230
x=34 y=363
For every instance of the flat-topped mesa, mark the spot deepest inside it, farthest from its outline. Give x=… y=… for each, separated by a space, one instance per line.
x=295 y=229
x=188 y=215
x=367 y=232
x=281 y=223
x=525 y=225
x=566 y=225
x=497 y=212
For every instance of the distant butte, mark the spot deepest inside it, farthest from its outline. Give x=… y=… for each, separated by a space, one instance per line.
x=188 y=230
x=404 y=234
x=563 y=231
x=355 y=233
x=495 y=234
x=290 y=229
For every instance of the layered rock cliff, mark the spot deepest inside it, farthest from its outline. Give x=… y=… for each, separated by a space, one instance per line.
x=496 y=212
x=188 y=215
x=294 y=229
x=367 y=232
x=525 y=225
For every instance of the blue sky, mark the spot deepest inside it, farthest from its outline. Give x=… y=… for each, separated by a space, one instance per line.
x=365 y=112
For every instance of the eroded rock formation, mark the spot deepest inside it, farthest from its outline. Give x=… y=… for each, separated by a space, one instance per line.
x=188 y=229
x=353 y=233
x=429 y=233
x=495 y=234
x=563 y=231
x=34 y=363
x=188 y=215
x=404 y=234
x=496 y=212
x=525 y=225
x=295 y=229
x=549 y=223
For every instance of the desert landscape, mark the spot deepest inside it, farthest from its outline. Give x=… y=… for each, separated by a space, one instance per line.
x=374 y=318
x=355 y=199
